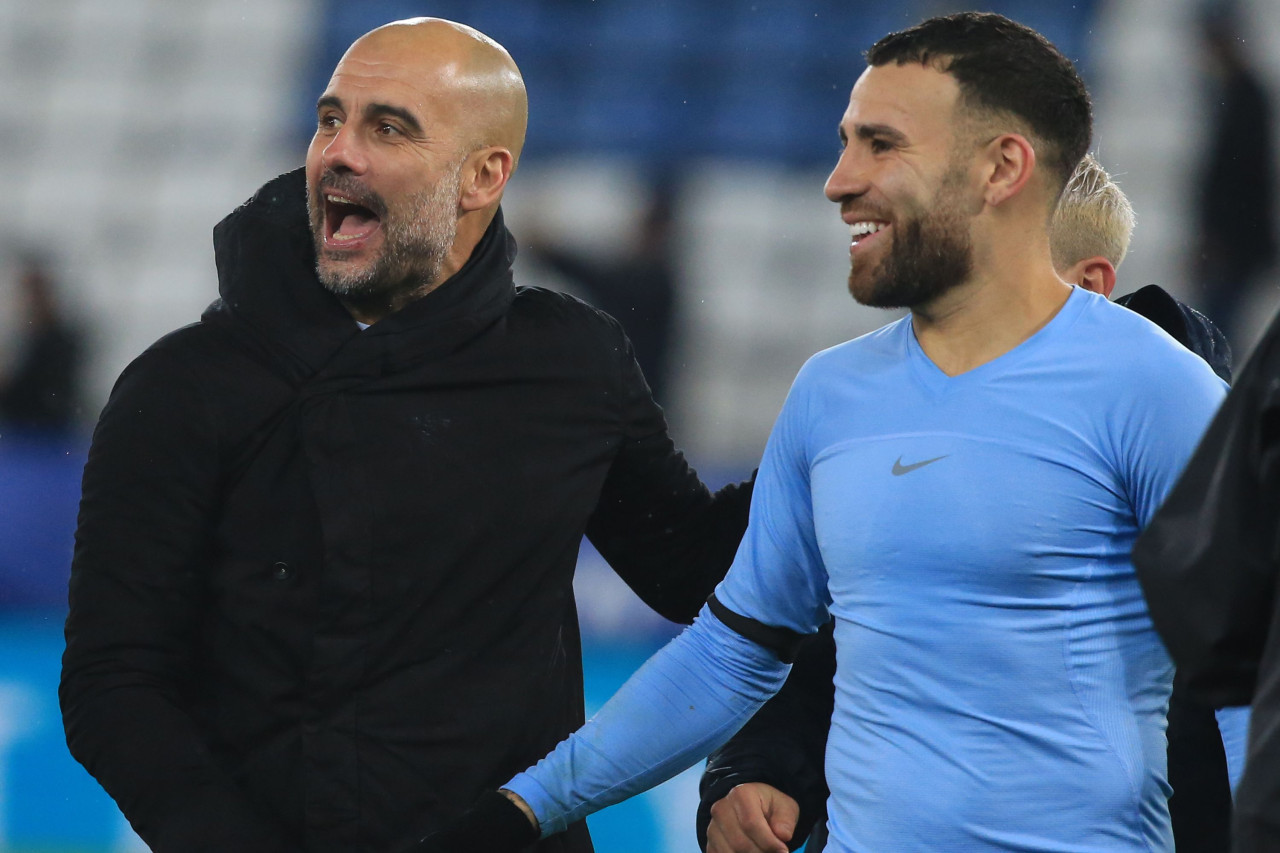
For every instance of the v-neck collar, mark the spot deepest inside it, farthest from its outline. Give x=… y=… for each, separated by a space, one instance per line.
x=936 y=381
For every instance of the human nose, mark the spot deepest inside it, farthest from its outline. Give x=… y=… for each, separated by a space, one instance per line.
x=849 y=177
x=344 y=153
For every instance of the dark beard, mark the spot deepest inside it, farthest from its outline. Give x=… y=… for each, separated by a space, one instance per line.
x=931 y=253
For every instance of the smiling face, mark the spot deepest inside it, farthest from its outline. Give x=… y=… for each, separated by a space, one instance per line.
x=902 y=186
x=384 y=169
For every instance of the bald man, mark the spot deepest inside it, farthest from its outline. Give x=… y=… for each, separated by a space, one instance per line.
x=321 y=594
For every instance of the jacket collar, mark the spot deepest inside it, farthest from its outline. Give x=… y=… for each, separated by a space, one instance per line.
x=269 y=291
x=1185 y=324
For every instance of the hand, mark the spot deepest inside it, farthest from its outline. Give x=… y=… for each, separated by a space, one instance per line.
x=752 y=818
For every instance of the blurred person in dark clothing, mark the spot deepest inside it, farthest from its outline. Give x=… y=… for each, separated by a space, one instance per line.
x=778 y=757
x=1209 y=565
x=322 y=591
x=1235 y=202
x=638 y=287
x=40 y=388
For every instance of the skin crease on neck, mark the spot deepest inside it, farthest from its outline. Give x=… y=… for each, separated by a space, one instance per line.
x=467 y=98
x=1012 y=290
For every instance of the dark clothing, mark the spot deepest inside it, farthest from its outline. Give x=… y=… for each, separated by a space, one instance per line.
x=1208 y=564
x=1184 y=324
x=641 y=292
x=783 y=745
x=1236 y=189
x=1236 y=222
x=321 y=595
x=42 y=392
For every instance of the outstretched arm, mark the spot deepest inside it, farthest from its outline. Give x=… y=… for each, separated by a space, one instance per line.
x=687 y=699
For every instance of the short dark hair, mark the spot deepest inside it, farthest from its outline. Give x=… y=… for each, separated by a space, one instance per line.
x=1005 y=67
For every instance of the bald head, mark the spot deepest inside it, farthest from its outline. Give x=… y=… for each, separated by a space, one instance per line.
x=417 y=133
x=473 y=77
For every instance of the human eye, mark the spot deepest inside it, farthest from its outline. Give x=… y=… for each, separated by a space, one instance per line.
x=328 y=121
x=386 y=128
x=879 y=145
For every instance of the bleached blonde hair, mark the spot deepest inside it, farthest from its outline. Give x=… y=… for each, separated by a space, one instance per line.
x=1093 y=217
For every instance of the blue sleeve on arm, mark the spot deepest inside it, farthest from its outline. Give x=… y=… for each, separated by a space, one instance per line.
x=1233 y=725
x=688 y=699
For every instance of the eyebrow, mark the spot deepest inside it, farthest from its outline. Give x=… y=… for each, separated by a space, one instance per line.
x=372 y=111
x=883 y=131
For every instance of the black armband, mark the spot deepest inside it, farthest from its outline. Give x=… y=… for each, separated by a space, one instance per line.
x=783 y=642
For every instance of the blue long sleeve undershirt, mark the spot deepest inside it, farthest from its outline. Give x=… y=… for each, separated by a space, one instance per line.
x=686 y=700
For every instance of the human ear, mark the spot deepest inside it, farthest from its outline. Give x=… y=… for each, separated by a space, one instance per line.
x=485 y=176
x=1097 y=274
x=1011 y=162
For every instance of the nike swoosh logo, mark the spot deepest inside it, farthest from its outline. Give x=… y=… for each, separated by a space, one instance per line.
x=899 y=469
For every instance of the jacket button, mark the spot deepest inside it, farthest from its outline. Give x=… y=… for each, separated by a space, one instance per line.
x=281 y=571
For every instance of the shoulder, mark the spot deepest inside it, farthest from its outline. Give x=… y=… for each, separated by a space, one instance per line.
x=199 y=371
x=561 y=317
x=863 y=356
x=853 y=369
x=885 y=344
x=1142 y=354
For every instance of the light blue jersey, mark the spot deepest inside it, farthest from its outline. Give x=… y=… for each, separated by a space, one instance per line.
x=999 y=683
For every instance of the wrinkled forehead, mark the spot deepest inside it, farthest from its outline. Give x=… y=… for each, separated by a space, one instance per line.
x=375 y=72
x=372 y=62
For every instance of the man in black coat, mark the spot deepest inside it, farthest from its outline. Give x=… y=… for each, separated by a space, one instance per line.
x=321 y=594
x=778 y=756
x=1209 y=563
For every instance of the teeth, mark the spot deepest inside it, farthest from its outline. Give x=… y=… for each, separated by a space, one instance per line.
x=861 y=229
x=339 y=199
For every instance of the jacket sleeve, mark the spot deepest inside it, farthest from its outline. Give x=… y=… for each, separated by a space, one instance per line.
x=660 y=528
x=148 y=502
x=784 y=744
x=1207 y=559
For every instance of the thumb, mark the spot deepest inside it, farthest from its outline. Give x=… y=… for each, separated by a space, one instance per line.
x=783 y=814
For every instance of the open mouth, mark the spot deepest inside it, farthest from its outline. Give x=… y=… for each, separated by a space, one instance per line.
x=347 y=223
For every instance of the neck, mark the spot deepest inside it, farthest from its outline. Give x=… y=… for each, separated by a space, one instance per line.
x=997 y=308
x=370 y=308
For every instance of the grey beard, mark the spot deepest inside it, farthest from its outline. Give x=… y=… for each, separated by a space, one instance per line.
x=414 y=247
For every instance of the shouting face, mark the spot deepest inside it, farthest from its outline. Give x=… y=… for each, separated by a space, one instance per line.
x=383 y=173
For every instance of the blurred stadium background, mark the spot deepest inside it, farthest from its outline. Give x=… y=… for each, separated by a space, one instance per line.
x=132 y=126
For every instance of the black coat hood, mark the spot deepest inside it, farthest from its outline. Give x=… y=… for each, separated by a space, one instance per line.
x=268 y=286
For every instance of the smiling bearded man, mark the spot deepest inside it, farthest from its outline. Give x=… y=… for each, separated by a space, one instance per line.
x=959 y=491
x=930 y=252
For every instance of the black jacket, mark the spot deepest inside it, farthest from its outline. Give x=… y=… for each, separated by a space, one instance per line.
x=1209 y=564
x=783 y=745
x=321 y=594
